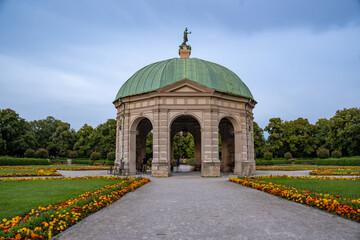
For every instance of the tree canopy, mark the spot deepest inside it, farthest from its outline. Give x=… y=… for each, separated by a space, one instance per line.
x=301 y=138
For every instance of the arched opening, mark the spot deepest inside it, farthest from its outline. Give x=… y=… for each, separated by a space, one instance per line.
x=183 y=152
x=185 y=142
x=140 y=144
x=226 y=146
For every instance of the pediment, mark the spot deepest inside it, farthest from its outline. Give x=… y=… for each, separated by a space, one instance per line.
x=185 y=86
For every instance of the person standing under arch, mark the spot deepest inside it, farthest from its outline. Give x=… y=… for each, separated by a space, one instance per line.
x=144 y=166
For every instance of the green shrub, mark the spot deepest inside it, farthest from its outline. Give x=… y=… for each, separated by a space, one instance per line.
x=336 y=154
x=95 y=156
x=29 y=153
x=190 y=161
x=338 y=162
x=81 y=161
x=276 y=162
x=323 y=153
x=268 y=155
x=72 y=154
x=111 y=156
x=42 y=153
x=288 y=155
x=305 y=161
x=12 y=161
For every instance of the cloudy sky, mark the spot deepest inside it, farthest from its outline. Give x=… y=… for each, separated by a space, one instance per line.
x=68 y=59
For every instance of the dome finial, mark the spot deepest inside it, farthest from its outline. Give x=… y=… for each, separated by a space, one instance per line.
x=185 y=50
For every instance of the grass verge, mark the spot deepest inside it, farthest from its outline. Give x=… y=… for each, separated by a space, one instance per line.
x=22 y=196
x=43 y=170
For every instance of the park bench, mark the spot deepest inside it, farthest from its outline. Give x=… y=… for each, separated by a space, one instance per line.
x=97 y=164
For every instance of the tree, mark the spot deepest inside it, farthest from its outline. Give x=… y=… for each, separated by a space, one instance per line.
x=86 y=140
x=15 y=134
x=182 y=146
x=344 y=131
x=106 y=137
x=323 y=129
x=62 y=141
x=44 y=129
x=300 y=137
x=275 y=141
x=149 y=145
x=259 y=140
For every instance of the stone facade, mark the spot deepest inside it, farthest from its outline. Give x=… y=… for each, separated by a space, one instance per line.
x=203 y=112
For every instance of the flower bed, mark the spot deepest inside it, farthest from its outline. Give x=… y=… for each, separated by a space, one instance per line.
x=345 y=207
x=314 y=168
x=46 y=222
x=42 y=171
x=292 y=168
x=31 y=172
x=334 y=172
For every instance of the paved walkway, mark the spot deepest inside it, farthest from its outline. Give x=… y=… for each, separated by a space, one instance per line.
x=187 y=206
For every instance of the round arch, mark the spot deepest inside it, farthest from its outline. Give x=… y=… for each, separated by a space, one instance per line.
x=235 y=122
x=193 y=125
x=173 y=118
x=229 y=130
x=139 y=129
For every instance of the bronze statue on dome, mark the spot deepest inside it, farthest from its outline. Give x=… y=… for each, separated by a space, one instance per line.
x=185 y=36
x=183 y=45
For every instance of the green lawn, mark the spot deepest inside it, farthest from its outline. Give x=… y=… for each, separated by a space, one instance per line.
x=344 y=170
x=5 y=171
x=56 y=167
x=17 y=198
x=344 y=188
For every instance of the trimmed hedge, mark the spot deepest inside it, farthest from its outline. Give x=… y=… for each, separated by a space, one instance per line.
x=55 y=160
x=271 y=162
x=344 y=161
x=338 y=162
x=12 y=161
x=80 y=161
x=305 y=161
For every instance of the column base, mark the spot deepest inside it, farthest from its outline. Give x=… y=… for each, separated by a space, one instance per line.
x=210 y=169
x=160 y=169
x=245 y=169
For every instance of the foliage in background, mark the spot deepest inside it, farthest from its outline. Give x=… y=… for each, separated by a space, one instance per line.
x=344 y=132
x=42 y=153
x=95 y=156
x=15 y=134
x=183 y=146
x=323 y=153
x=268 y=155
x=106 y=137
x=111 y=156
x=336 y=154
x=29 y=153
x=73 y=154
x=85 y=141
x=259 y=141
x=288 y=155
x=149 y=145
x=341 y=132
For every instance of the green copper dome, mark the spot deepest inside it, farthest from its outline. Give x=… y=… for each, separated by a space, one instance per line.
x=163 y=73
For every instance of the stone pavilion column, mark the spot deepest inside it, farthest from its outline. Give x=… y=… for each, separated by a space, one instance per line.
x=210 y=145
x=161 y=146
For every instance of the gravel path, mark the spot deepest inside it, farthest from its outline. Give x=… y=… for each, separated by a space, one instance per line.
x=187 y=206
